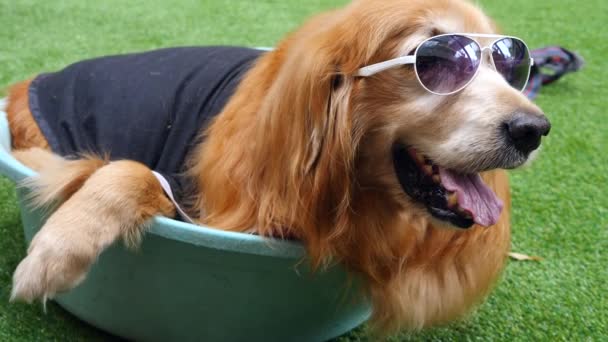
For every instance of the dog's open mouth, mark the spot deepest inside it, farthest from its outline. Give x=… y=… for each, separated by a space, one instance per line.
x=461 y=199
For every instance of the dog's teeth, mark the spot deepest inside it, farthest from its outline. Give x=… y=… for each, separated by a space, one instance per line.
x=452 y=199
x=436 y=178
x=428 y=169
x=419 y=158
x=464 y=213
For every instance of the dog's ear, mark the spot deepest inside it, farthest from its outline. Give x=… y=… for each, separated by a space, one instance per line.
x=309 y=106
x=304 y=148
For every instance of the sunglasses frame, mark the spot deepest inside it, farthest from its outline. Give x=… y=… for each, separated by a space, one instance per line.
x=411 y=59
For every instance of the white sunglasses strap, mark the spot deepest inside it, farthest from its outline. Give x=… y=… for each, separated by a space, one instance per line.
x=167 y=188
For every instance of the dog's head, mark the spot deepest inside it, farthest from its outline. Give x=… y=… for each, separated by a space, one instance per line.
x=386 y=130
x=359 y=168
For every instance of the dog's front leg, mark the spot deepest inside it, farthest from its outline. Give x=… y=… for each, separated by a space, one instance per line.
x=114 y=203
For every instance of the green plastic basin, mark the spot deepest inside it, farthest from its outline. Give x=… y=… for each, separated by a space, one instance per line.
x=194 y=283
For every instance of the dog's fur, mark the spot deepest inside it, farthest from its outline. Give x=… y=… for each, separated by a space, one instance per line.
x=317 y=167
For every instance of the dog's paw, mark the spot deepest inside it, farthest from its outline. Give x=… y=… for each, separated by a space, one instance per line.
x=51 y=266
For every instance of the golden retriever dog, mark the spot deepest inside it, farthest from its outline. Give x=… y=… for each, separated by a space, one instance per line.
x=362 y=169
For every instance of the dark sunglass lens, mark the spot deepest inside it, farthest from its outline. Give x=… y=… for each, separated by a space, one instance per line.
x=447 y=63
x=512 y=61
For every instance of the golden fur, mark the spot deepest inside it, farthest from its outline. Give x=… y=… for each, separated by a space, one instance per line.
x=316 y=166
x=24 y=130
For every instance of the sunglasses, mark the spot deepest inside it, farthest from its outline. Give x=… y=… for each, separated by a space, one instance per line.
x=447 y=63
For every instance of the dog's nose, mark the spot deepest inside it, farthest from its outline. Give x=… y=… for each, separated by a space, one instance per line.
x=525 y=130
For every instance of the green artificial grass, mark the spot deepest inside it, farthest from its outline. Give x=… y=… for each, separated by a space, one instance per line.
x=560 y=203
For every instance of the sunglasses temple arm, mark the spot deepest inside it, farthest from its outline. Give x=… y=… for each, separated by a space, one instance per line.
x=376 y=68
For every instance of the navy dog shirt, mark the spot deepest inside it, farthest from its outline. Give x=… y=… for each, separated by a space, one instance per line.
x=150 y=107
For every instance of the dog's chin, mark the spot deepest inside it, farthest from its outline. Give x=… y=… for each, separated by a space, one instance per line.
x=451 y=197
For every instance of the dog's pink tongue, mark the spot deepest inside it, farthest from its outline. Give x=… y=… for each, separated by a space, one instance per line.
x=473 y=195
